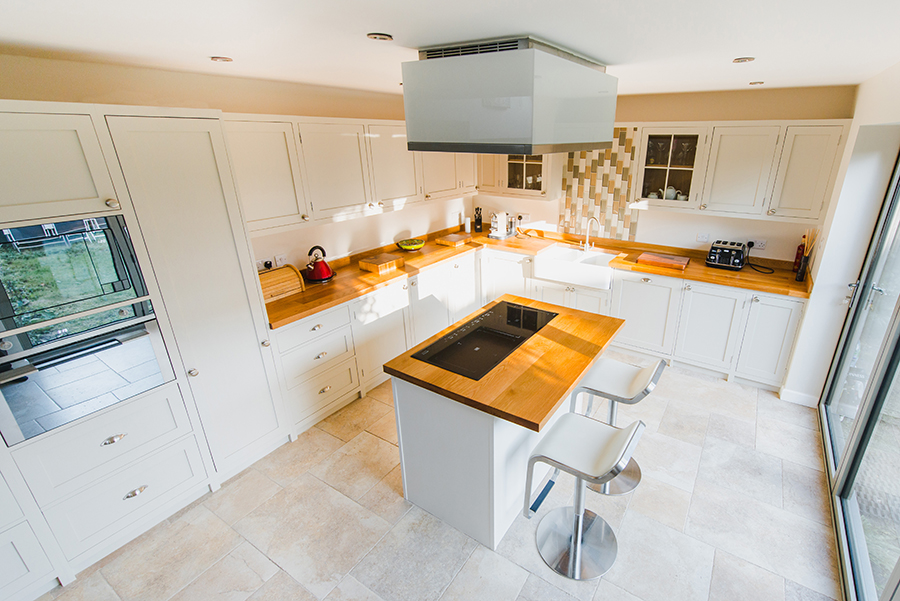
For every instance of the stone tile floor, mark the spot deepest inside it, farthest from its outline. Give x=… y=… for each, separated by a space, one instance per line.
x=733 y=506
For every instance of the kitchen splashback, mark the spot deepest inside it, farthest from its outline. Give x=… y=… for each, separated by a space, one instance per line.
x=598 y=184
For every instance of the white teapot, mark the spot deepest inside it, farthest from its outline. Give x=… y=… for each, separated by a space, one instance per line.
x=669 y=193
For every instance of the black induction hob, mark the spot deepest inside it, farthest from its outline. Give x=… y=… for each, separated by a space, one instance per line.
x=476 y=347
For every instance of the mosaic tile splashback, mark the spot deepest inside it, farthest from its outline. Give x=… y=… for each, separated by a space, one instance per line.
x=598 y=184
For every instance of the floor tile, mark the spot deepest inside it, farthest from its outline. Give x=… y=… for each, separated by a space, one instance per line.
x=796 y=592
x=127 y=355
x=28 y=401
x=681 y=565
x=91 y=588
x=139 y=372
x=172 y=557
x=788 y=441
x=668 y=459
x=358 y=465
x=47 y=379
x=486 y=575
x=416 y=560
x=241 y=495
x=536 y=589
x=708 y=393
x=64 y=416
x=650 y=411
x=610 y=592
x=281 y=587
x=350 y=589
x=755 y=474
x=777 y=540
x=663 y=502
x=347 y=423
x=236 y=577
x=289 y=461
x=734 y=579
x=684 y=422
x=385 y=428
x=383 y=392
x=772 y=407
x=733 y=430
x=806 y=492
x=80 y=391
x=313 y=532
x=385 y=499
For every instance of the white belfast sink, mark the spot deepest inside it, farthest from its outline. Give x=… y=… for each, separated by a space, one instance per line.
x=574 y=266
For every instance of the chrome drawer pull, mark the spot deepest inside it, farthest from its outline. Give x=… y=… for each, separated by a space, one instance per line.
x=265 y=343
x=134 y=493
x=316 y=328
x=113 y=439
x=755 y=299
x=687 y=287
x=646 y=280
x=321 y=355
x=326 y=389
x=112 y=203
x=193 y=373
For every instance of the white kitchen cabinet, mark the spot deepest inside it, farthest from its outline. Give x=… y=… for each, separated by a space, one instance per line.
x=378 y=322
x=519 y=175
x=442 y=295
x=805 y=171
x=505 y=273
x=574 y=297
x=768 y=338
x=709 y=327
x=22 y=560
x=177 y=174
x=336 y=168
x=440 y=174
x=465 y=297
x=740 y=168
x=467 y=171
x=649 y=304
x=672 y=155
x=396 y=175
x=51 y=166
x=267 y=172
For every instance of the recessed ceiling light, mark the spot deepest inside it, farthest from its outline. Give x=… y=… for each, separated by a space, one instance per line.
x=221 y=59
x=382 y=37
x=757 y=83
x=744 y=59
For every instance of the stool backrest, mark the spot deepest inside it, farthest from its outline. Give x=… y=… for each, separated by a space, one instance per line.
x=621 y=448
x=646 y=381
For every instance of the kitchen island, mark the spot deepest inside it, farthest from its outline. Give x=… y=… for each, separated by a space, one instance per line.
x=464 y=443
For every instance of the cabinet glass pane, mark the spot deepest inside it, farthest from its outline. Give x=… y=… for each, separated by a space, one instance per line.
x=534 y=158
x=516 y=175
x=680 y=179
x=684 y=151
x=658 y=150
x=516 y=158
x=654 y=181
x=533 y=176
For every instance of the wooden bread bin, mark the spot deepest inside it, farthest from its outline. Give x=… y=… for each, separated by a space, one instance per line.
x=280 y=282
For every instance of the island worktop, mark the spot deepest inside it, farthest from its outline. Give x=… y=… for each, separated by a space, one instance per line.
x=530 y=384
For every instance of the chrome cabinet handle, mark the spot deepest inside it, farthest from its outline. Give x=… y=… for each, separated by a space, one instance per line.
x=326 y=389
x=113 y=439
x=455 y=266
x=112 y=203
x=266 y=343
x=132 y=494
x=770 y=212
x=380 y=204
x=527 y=261
x=755 y=299
x=316 y=328
x=687 y=286
x=193 y=373
x=413 y=283
x=321 y=355
x=405 y=287
x=428 y=196
x=646 y=280
x=702 y=207
x=304 y=217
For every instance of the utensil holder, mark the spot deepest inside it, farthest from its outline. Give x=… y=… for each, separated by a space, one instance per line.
x=801 y=271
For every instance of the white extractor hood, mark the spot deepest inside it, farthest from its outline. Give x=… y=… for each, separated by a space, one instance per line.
x=517 y=96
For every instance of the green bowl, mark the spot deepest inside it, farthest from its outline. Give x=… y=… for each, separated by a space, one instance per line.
x=411 y=244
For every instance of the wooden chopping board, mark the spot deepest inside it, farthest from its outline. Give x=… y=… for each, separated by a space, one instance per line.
x=454 y=240
x=382 y=263
x=280 y=282
x=660 y=260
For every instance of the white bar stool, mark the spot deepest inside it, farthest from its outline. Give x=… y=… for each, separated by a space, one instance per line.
x=618 y=383
x=575 y=541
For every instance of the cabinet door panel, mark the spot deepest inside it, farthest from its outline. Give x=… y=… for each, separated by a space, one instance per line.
x=440 y=173
x=267 y=172
x=505 y=274
x=463 y=292
x=709 y=327
x=379 y=329
x=22 y=560
x=555 y=294
x=488 y=171
x=174 y=169
x=394 y=172
x=591 y=301
x=804 y=172
x=649 y=305
x=430 y=301
x=740 y=169
x=336 y=169
x=51 y=165
x=9 y=508
x=466 y=169
x=768 y=338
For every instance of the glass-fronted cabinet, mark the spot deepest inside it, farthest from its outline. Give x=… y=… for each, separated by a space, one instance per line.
x=514 y=174
x=669 y=173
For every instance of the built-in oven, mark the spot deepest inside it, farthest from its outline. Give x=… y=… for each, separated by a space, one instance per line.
x=77 y=328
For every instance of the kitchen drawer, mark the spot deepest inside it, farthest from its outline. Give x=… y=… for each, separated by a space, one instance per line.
x=304 y=400
x=380 y=303
x=22 y=560
x=9 y=509
x=310 y=359
x=93 y=515
x=62 y=462
x=308 y=329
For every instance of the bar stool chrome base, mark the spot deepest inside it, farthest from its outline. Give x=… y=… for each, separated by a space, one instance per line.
x=622 y=484
x=556 y=544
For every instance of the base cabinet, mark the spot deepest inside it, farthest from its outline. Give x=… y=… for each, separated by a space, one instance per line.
x=709 y=326
x=442 y=295
x=649 y=304
x=772 y=323
x=22 y=560
x=583 y=299
x=378 y=322
x=505 y=273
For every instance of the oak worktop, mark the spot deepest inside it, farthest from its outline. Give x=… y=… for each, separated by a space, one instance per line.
x=531 y=383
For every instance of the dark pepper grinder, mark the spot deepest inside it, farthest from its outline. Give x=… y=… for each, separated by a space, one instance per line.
x=478 y=219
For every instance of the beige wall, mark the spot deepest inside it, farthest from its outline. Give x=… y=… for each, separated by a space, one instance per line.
x=826 y=102
x=28 y=78
x=879 y=98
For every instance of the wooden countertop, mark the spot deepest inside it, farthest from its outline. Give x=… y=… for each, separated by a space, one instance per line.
x=529 y=385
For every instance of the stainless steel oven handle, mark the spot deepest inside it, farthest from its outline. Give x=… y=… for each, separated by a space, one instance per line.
x=113 y=439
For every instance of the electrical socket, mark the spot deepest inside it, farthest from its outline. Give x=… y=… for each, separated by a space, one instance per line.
x=759 y=244
x=702 y=237
x=280 y=260
x=261 y=264
x=523 y=218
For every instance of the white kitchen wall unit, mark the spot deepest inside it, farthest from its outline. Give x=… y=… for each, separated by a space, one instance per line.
x=467 y=171
x=442 y=295
x=740 y=169
x=768 y=338
x=709 y=329
x=575 y=297
x=505 y=273
x=447 y=175
x=672 y=155
x=51 y=166
x=379 y=322
x=805 y=171
x=524 y=176
x=267 y=172
x=396 y=174
x=177 y=175
x=649 y=304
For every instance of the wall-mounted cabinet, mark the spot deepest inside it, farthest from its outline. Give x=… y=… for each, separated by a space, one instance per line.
x=740 y=168
x=396 y=172
x=448 y=174
x=670 y=171
x=806 y=170
x=518 y=175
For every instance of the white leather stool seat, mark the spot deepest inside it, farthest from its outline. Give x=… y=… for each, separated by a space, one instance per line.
x=619 y=381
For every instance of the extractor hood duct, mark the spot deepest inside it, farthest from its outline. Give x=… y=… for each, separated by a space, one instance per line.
x=518 y=96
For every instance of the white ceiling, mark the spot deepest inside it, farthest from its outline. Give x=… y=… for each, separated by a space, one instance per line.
x=650 y=45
